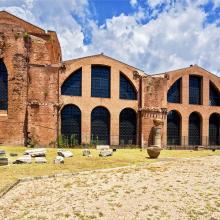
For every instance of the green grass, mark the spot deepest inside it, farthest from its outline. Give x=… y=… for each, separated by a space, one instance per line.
x=122 y=157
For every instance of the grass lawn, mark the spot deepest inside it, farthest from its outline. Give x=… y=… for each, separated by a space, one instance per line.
x=122 y=157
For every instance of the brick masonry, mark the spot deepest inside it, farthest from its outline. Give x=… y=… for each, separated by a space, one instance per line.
x=36 y=73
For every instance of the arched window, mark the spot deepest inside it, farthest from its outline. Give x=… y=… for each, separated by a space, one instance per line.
x=73 y=84
x=101 y=81
x=195 y=89
x=100 y=126
x=128 y=127
x=194 y=129
x=214 y=95
x=174 y=93
x=173 y=128
x=127 y=90
x=3 y=86
x=214 y=126
x=71 y=124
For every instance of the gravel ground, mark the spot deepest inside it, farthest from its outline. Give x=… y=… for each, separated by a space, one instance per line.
x=171 y=189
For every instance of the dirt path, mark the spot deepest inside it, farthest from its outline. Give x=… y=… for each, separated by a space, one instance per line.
x=180 y=189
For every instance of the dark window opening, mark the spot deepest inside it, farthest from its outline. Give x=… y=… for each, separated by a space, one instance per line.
x=127 y=91
x=3 y=86
x=71 y=125
x=214 y=95
x=214 y=125
x=174 y=93
x=100 y=81
x=128 y=127
x=173 y=128
x=73 y=84
x=195 y=89
x=194 y=129
x=100 y=126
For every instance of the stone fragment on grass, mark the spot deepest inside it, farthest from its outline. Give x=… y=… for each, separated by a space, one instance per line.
x=105 y=153
x=13 y=154
x=59 y=160
x=65 y=154
x=86 y=152
x=38 y=152
x=102 y=147
x=2 y=152
x=3 y=161
x=40 y=160
x=24 y=159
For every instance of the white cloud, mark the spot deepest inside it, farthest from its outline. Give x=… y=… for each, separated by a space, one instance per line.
x=133 y=2
x=175 y=38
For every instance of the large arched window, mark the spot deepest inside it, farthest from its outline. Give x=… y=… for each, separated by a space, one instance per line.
x=71 y=124
x=214 y=95
x=194 y=129
x=214 y=129
x=128 y=127
x=100 y=126
x=73 y=84
x=101 y=76
x=127 y=90
x=174 y=93
x=173 y=128
x=195 y=90
x=3 y=86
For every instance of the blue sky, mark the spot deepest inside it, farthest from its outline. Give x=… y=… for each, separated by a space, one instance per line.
x=153 y=35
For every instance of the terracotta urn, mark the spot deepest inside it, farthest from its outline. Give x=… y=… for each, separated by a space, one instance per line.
x=154 y=151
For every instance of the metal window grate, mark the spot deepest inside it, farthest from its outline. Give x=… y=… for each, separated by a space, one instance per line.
x=194 y=90
x=3 y=86
x=173 y=128
x=71 y=124
x=127 y=90
x=73 y=85
x=100 y=81
x=174 y=93
x=214 y=125
x=128 y=127
x=100 y=126
x=214 y=95
x=194 y=129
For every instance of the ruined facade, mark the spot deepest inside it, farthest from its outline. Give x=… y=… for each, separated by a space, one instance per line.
x=96 y=99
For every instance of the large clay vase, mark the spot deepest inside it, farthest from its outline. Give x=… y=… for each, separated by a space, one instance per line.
x=154 y=151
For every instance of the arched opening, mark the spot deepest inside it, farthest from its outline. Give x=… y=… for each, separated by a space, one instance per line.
x=73 y=84
x=174 y=93
x=127 y=90
x=101 y=77
x=214 y=125
x=100 y=126
x=3 y=86
x=195 y=94
x=214 y=95
x=194 y=129
x=71 y=124
x=127 y=127
x=173 y=128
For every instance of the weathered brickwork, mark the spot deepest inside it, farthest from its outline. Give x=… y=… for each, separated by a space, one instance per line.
x=36 y=74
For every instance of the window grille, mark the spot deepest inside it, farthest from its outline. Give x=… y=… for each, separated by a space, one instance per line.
x=214 y=95
x=71 y=124
x=174 y=93
x=73 y=84
x=128 y=127
x=100 y=81
x=127 y=91
x=194 y=129
x=173 y=128
x=194 y=90
x=100 y=126
x=214 y=125
x=3 y=86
